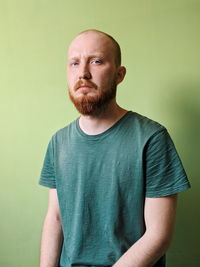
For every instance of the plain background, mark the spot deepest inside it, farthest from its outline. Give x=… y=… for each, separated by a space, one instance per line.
x=160 y=44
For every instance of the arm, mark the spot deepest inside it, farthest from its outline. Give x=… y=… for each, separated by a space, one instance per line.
x=159 y=216
x=52 y=236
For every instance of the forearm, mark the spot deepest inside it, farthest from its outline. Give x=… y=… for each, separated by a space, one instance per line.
x=144 y=253
x=51 y=243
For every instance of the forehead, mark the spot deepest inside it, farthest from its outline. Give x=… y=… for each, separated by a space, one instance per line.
x=90 y=43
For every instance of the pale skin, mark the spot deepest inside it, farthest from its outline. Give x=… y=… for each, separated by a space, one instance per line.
x=52 y=236
x=88 y=59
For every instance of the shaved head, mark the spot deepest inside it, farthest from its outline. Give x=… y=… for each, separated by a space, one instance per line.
x=115 y=45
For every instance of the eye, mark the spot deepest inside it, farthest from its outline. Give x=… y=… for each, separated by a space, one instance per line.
x=96 y=61
x=74 y=63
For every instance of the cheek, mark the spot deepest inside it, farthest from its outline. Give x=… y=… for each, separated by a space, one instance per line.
x=103 y=76
x=108 y=78
x=71 y=77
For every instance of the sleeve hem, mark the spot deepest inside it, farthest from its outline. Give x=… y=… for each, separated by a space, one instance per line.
x=167 y=192
x=47 y=184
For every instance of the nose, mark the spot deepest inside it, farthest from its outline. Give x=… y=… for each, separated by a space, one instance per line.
x=85 y=72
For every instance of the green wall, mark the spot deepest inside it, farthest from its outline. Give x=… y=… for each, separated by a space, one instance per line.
x=160 y=42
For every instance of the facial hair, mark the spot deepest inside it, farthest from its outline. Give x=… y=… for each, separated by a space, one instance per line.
x=95 y=104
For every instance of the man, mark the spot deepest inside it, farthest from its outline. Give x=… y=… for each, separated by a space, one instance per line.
x=113 y=174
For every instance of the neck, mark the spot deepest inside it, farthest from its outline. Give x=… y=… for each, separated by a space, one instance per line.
x=96 y=124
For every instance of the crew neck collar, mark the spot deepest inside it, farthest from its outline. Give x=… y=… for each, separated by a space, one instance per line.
x=103 y=134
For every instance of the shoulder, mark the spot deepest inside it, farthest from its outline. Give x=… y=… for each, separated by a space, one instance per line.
x=143 y=125
x=61 y=135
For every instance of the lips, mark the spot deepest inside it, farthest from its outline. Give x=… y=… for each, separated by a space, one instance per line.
x=83 y=87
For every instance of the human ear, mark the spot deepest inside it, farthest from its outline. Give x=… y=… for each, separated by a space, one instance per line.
x=121 y=72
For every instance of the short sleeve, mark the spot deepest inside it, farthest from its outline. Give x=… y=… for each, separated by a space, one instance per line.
x=47 y=176
x=164 y=171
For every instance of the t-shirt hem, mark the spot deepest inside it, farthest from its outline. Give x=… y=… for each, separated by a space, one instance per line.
x=167 y=192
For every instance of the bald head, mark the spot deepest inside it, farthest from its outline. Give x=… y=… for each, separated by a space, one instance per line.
x=114 y=46
x=93 y=71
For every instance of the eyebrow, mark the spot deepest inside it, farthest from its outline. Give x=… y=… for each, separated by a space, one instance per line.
x=90 y=56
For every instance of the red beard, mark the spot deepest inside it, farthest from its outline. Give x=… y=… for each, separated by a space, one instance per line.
x=93 y=105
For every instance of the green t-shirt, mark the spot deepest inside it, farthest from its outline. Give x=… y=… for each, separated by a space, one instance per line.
x=102 y=181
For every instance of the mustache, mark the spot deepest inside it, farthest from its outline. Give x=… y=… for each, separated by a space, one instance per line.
x=83 y=83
